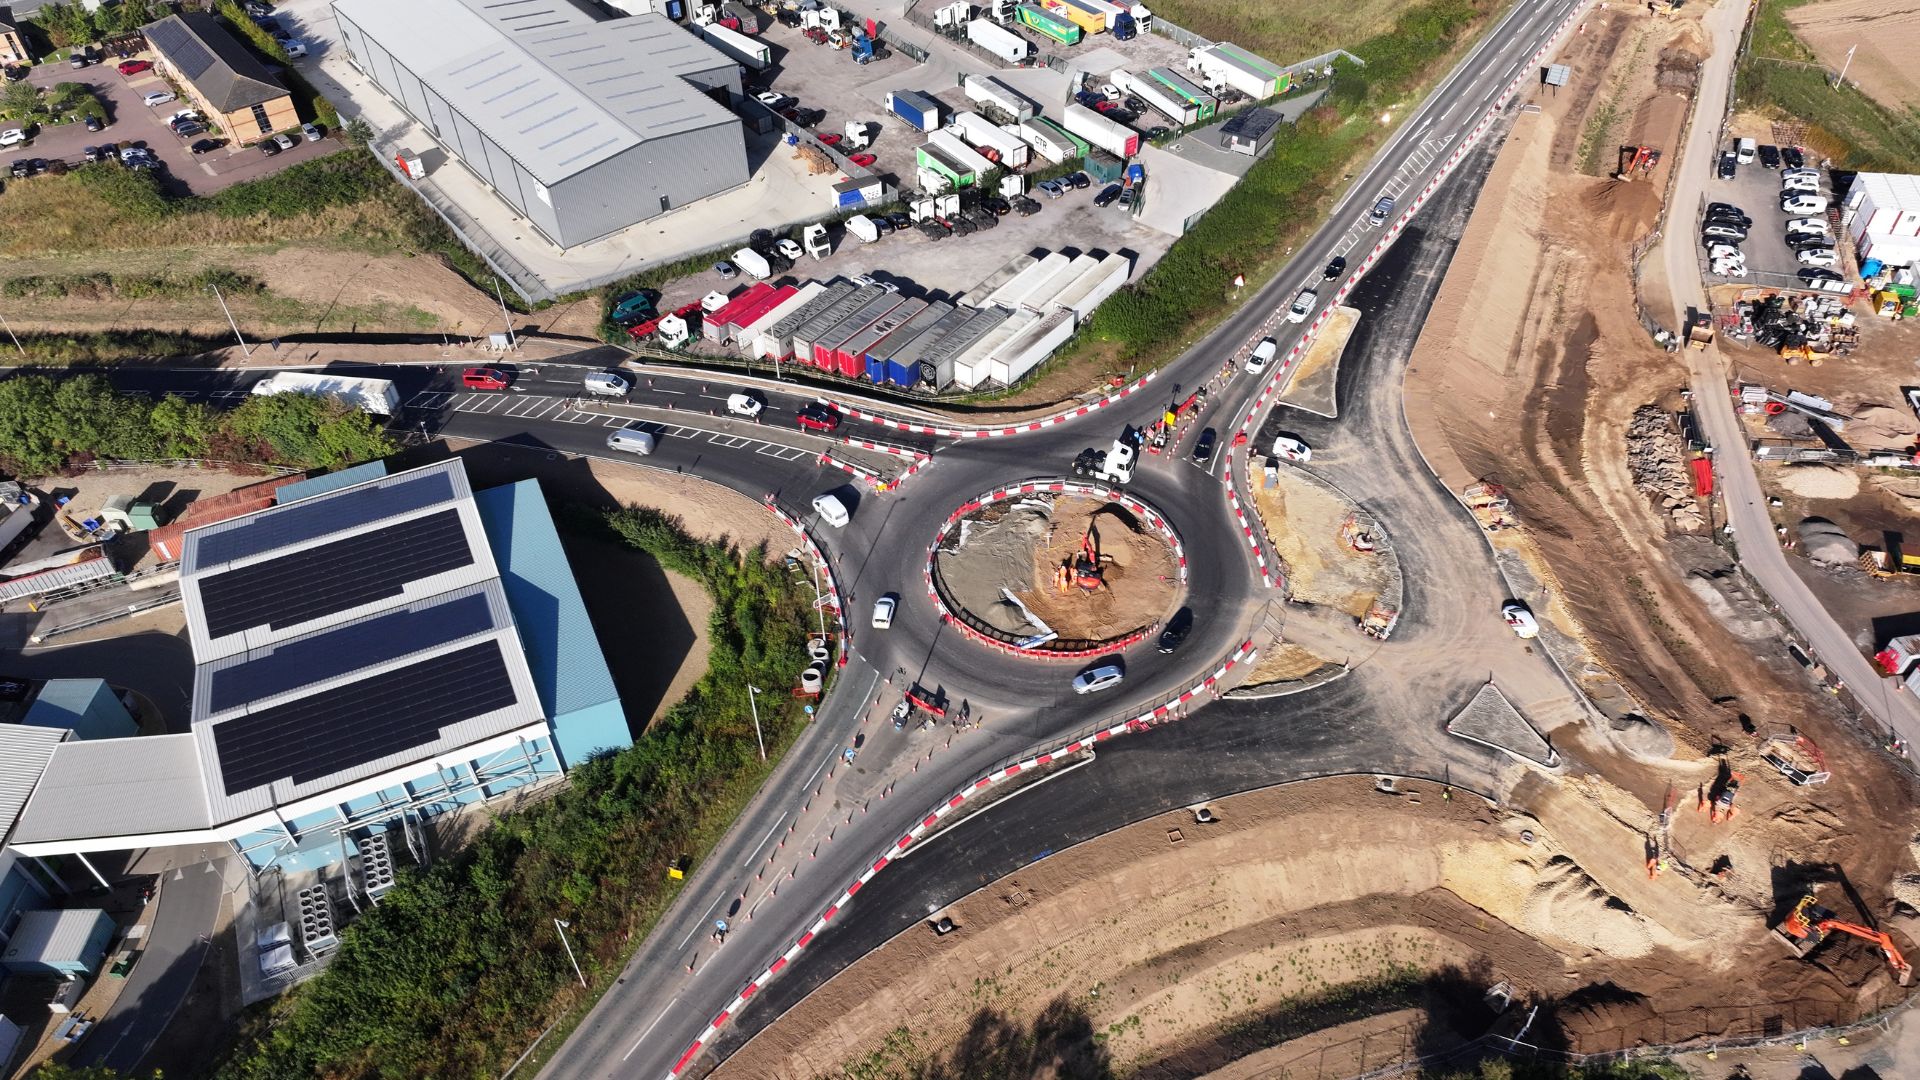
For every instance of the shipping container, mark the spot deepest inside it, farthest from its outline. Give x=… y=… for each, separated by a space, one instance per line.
x=827 y=318
x=985 y=89
x=1047 y=24
x=916 y=108
x=984 y=135
x=1184 y=89
x=945 y=154
x=775 y=342
x=1021 y=285
x=1890 y=250
x=376 y=396
x=853 y=356
x=859 y=191
x=739 y=46
x=999 y=41
x=1884 y=204
x=974 y=366
x=905 y=372
x=1156 y=95
x=828 y=354
x=1115 y=138
x=1087 y=292
x=1225 y=65
x=937 y=366
x=717 y=327
x=1042 y=295
x=1027 y=349
x=1051 y=141
x=750 y=338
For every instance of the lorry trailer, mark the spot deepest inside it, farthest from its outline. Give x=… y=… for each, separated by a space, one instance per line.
x=991 y=142
x=916 y=108
x=1156 y=94
x=1115 y=138
x=1184 y=89
x=1048 y=24
x=774 y=341
x=1051 y=141
x=999 y=41
x=1227 y=65
x=376 y=396
x=739 y=46
x=987 y=90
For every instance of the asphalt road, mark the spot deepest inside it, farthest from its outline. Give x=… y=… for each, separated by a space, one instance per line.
x=1746 y=505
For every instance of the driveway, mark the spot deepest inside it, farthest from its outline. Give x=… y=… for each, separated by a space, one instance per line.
x=130 y=120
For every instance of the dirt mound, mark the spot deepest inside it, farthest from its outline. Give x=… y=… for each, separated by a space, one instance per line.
x=1568 y=906
x=1641 y=737
x=1678 y=70
x=1882 y=427
x=1821 y=481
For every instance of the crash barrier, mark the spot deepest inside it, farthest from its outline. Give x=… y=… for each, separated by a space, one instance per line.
x=954 y=614
x=920 y=460
x=1139 y=722
x=1282 y=371
x=1021 y=428
x=828 y=585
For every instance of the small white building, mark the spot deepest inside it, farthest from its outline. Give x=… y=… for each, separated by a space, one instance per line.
x=1883 y=217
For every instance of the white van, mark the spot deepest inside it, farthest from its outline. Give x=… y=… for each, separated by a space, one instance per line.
x=1261 y=356
x=744 y=405
x=631 y=441
x=1746 y=150
x=605 y=384
x=831 y=510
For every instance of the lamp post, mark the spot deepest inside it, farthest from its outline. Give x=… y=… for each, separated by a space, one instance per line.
x=751 y=691
x=561 y=925
x=245 y=353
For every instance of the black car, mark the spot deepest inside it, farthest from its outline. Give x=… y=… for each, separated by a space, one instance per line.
x=1077 y=180
x=1159 y=132
x=269 y=148
x=1203 y=446
x=996 y=205
x=207 y=146
x=1770 y=156
x=1024 y=206
x=21 y=169
x=94 y=123
x=882 y=224
x=1720 y=211
x=900 y=221
x=1107 y=195
x=1177 y=630
x=190 y=129
x=259 y=8
x=1793 y=158
x=1814 y=275
x=1335 y=268
x=1729 y=164
x=267 y=23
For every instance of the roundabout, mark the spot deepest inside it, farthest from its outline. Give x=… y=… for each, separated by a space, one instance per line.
x=1056 y=569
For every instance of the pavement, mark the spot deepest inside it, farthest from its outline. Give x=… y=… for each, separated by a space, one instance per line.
x=1745 y=507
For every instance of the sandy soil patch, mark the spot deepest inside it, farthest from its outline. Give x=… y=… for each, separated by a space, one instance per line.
x=1885 y=38
x=1019 y=546
x=1303 y=519
x=1316 y=378
x=1284 y=661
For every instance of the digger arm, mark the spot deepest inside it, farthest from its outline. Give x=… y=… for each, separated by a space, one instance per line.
x=1901 y=969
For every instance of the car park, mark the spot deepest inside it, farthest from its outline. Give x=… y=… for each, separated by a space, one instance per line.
x=1728 y=167
x=159 y=97
x=1107 y=195
x=1769 y=156
x=1335 y=268
x=1519 y=619
x=484 y=378
x=1098 y=678
x=883 y=610
x=725 y=270
x=1177 y=629
x=1203 y=446
x=134 y=67
x=1302 y=306
x=312 y=132
x=1289 y=448
x=817 y=417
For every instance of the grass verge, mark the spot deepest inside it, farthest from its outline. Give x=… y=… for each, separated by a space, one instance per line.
x=1779 y=72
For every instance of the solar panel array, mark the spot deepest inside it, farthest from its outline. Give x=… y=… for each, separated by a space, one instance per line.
x=301 y=522
x=351 y=572
x=349 y=726
x=180 y=47
x=347 y=649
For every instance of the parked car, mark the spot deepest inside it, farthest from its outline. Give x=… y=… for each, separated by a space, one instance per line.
x=21 y=169
x=187 y=129
x=1289 y=448
x=12 y=137
x=1803 y=204
x=1725 y=217
x=77 y=61
x=294 y=48
x=1817 y=226
x=1025 y=206
x=94 y=123
x=1792 y=157
x=725 y=270
x=207 y=146
x=788 y=249
x=1735 y=270
x=259 y=8
x=1203 y=446
x=882 y=224
x=1825 y=258
x=1077 y=180
x=865 y=161
x=284 y=141
x=814 y=416
x=1769 y=156
x=1520 y=619
x=134 y=67
x=996 y=206
x=1729 y=165
x=1302 y=306
x=1107 y=195
x=1335 y=268
x=1052 y=189
x=269 y=147
x=312 y=132
x=1715 y=231
x=267 y=23
x=1098 y=678
x=1721 y=209
x=775 y=100
x=1814 y=275
x=901 y=221
x=1177 y=629
x=1800 y=186
x=484 y=378
x=95 y=153
x=883 y=610
x=1723 y=251
x=159 y=97
x=1126 y=198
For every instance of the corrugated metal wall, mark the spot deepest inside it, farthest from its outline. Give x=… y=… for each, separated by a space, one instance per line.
x=628 y=186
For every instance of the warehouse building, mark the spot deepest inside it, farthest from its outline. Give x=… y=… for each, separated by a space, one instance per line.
x=228 y=83
x=365 y=658
x=582 y=125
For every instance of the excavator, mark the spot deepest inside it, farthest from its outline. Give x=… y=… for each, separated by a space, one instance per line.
x=1087 y=572
x=1717 y=800
x=1809 y=924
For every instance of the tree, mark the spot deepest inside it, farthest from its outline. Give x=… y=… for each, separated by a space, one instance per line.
x=67 y=24
x=44 y=422
x=303 y=430
x=183 y=429
x=129 y=17
x=21 y=100
x=56 y=1071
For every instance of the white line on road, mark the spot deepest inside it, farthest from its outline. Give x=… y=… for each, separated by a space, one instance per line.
x=816 y=771
x=763 y=842
x=649 y=1031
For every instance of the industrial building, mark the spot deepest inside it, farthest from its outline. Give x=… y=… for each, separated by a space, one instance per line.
x=227 y=82
x=1883 y=218
x=583 y=125
x=366 y=657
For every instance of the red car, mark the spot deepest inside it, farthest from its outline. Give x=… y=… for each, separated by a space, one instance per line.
x=829 y=138
x=863 y=160
x=1106 y=106
x=484 y=378
x=134 y=67
x=817 y=417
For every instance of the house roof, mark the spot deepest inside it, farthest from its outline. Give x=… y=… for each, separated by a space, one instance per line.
x=7 y=24
x=217 y=64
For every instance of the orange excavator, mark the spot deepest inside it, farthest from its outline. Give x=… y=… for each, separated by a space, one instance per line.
x=1086 y=565
x=1809 y=924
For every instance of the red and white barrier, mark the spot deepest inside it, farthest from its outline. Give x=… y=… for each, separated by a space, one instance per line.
x=949 y=432
x=1152 y=717
x=828 y=585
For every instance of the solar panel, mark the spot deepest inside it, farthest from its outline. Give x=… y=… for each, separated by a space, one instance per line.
x=300 y=522
x=348 y=649
x=335 y=730
x=352 y=571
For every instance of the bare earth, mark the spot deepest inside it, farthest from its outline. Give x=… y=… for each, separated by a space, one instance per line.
x=1885 y=35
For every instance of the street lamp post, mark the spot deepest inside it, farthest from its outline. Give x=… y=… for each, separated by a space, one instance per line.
x=751 y=691
x=245 y=353
x=561 y=925
x=16 y=340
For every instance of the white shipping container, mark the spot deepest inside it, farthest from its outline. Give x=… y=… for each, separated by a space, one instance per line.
x=1092 y=288
x=770 y=344
x=1891 y=250
x=960 y=152
x=1110 y=135
x=1017 y=288
x=983 y=134
x=1180 y=112
x=975 y=365
x=739 y=46
x=1029 y=348
x=1051 y=285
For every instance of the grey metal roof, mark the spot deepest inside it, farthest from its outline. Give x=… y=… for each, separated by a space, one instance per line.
x=24 y=753
x=206 y=55
x=557 y=89
x=118 y=787
x=53 y=937
x=333 y=481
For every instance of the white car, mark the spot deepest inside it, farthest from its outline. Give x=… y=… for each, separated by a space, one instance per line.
x=1825 y=258
x=160 y=97
x=1800 y=186
x=12 y=137
x=1730 y=269
x=883 y=611
x=1802 y=171
x=186 y=114
x=1261 y=356
x=775 y=100
x=788 y=250
x=1520 y=619
x=1292 y=449
x=1719 y=252
x=744 y=405
x=1302 y=306
x=1809 y=225
x=1803 y=204
x=295 y=48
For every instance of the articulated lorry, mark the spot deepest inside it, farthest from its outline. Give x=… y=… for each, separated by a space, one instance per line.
x=376 y=396
x=1113 y=465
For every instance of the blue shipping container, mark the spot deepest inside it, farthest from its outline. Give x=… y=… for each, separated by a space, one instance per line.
x=876 y=370
x=903 y=375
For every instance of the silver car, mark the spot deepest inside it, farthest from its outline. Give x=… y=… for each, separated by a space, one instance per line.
x=1095 y=679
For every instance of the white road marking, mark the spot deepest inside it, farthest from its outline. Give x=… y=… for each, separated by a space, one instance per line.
x=763 y=842
x=649 y=1031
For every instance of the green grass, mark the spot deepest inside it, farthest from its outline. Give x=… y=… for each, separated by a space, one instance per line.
x=1854 y=130
x=1284 y=33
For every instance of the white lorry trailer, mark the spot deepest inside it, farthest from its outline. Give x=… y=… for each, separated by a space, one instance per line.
x=377 y=396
